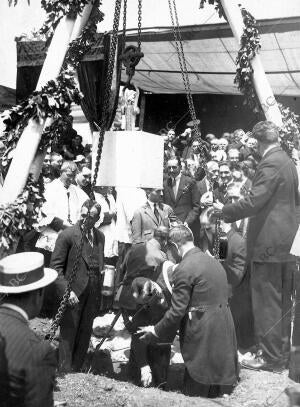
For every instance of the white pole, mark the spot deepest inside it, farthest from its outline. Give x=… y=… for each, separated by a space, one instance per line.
x=57 y=51
x=262 y=87
x=81 y=21
x=25 y=151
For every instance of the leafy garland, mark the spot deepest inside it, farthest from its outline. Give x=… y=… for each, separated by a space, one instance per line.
x=56 y=10
x=290 y=131
x=218 y=7
x=22 y=215
x=53 y=100
x=81 y=45
x=250 y=46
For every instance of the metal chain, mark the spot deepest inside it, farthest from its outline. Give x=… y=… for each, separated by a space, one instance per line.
x=107 y=92
x=65 y=299
x=187 y=86
x=103 y=123
x=124 y=25
x=216 y=248
x=139 y=23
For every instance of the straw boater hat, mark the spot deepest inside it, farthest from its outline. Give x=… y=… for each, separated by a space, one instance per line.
x=23 y=272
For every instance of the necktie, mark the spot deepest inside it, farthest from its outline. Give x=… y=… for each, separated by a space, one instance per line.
x=174 y=186
x=90 y=237
x=156 y=213
x=69 y=214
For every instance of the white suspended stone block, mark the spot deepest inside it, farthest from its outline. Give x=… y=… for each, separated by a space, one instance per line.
x=130 y=159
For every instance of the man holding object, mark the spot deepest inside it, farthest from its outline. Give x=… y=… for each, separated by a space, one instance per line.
x=271 y=209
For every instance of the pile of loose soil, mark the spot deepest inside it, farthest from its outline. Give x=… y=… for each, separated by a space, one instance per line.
x=106 y=382
x=256 y=389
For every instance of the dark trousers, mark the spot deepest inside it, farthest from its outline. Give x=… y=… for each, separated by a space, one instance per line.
x=75 y=331
x=194 y=389
x=271 y=288
x=241 y=308
x=156 y=356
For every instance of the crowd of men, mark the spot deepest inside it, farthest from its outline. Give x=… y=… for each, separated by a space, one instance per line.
x=162 y=244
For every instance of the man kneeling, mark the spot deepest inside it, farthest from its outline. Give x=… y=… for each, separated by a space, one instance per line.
x=152 y=360
x=199 y=307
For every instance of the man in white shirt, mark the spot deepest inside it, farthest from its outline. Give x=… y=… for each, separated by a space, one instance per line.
x=62 y=208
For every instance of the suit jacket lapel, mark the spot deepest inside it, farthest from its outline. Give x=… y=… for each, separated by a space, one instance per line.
x=180 y=188
x=149 y=212
x=85 y=247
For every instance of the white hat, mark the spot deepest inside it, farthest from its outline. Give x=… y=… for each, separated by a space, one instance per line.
x=23 y=272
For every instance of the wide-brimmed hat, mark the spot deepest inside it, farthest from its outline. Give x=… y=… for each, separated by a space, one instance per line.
x=23 y=272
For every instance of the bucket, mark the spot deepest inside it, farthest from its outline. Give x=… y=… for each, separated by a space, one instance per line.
x=108 y=280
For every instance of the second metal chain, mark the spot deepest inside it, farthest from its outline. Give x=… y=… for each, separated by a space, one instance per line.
x=139 y=23
x=107 y=92
x=187 y=86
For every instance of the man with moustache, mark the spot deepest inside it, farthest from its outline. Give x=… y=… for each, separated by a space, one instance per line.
x=84 y=300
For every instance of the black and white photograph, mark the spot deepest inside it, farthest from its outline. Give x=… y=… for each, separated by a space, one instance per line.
x=149 y=203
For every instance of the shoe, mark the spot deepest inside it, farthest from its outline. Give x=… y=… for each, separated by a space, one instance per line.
x=259 y=363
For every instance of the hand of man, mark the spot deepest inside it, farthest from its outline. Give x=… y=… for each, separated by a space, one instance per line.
x=148 y=333
x=146 y=376
x=218 y=206
x=206 y=199
x=73 y=299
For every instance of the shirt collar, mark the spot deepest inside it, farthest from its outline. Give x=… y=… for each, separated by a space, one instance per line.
x=14 y=307
x=269 y=148
x=178 y=177
x=151 y=204
x=185 y=251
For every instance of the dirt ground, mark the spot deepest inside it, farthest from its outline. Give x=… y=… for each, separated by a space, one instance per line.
x=106 y=381
x=256 y=389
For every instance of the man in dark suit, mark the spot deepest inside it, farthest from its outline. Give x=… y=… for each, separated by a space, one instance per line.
x=76 y=324
x=143 y=263
x=271 y=208
x=150 y=216
x=206 y=188
x=182 y=194
x=30 y=361
x=199 y=307
x=210 y=179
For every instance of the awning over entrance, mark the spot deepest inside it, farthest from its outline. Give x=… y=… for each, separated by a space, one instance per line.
x=210 y=52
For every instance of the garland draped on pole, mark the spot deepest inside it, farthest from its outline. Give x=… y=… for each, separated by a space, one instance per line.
x=250 y=46
x=53 y=100
x=22 y=215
